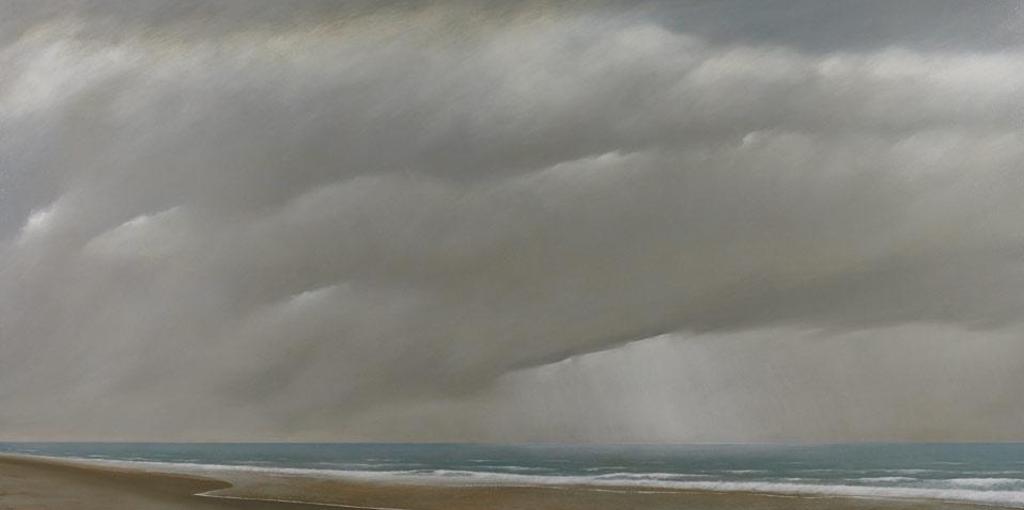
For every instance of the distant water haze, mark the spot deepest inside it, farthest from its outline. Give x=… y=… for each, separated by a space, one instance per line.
x=512 y=221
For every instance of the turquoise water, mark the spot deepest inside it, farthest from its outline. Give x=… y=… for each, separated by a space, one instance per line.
x=987 y=473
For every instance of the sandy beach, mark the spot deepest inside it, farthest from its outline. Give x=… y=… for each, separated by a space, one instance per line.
x=44 y=484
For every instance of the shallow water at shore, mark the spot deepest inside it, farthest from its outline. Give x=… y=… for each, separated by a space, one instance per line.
x=47 y=484
x=991 y=474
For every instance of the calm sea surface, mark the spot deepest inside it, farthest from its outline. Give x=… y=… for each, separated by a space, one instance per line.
x=984 y=473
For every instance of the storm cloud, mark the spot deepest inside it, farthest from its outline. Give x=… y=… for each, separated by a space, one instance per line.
x=460 y=221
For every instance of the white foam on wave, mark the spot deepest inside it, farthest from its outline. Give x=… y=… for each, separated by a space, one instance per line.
x=648 y=476
x=604 y=468
x=886 y=479
x=521 y=469
x=984 y=482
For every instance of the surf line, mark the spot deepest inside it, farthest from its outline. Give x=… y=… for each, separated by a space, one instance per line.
x=293 y=502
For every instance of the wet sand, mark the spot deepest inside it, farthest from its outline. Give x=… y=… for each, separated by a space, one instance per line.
x=43 y=484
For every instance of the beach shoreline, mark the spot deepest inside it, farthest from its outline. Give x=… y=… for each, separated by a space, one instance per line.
x=44 y=483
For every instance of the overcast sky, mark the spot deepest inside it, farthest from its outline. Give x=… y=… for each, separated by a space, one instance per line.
x=662 y=221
